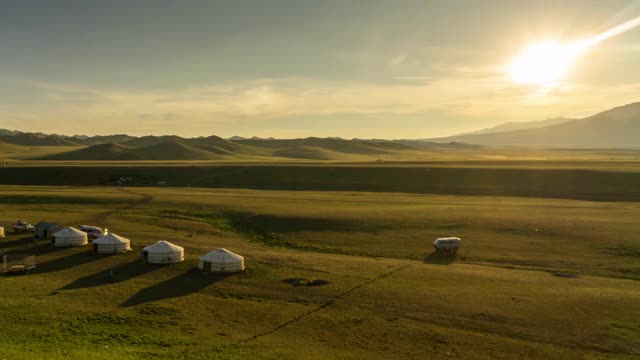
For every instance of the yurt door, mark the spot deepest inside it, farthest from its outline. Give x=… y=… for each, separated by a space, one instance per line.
x=206 y=266
x=95 y=247
x=145 y=255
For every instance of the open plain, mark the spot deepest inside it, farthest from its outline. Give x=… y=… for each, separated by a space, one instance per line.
x=339 y=264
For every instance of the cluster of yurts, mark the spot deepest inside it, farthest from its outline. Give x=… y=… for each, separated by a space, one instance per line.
x=162 y=252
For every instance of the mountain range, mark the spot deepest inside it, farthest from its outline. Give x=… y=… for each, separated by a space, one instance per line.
x=216 y=148
x=514 y=126
x=615 y=128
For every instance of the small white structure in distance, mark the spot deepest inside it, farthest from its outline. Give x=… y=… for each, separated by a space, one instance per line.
x=69 y=237
x=221 y=261
x=1 y=232
x=163 y=252
x=111 y=244
x=447 y=244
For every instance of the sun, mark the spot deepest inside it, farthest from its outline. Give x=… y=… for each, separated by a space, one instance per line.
x=545 y=63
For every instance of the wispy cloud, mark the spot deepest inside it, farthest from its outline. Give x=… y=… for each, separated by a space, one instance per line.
x=227 y=106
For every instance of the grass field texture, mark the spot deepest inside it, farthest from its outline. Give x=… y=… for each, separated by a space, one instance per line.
x=380 y=293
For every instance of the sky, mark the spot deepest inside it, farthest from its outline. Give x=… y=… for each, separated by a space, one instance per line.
x=366 y=69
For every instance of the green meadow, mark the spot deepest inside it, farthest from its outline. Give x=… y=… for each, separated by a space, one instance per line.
x=330 y=274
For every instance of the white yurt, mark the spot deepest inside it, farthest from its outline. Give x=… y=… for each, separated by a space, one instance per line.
x=221 y=260
x=111 y=244
x=163 y=252
x=1 y=232
x=447 y=244
x=69 y=237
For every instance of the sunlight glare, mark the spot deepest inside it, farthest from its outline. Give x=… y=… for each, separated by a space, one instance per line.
x=545 y=63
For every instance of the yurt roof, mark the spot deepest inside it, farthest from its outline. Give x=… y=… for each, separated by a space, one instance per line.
x=163 y=246
x=42 y=224
x=111 y=239
x=221 y=255
x=448 y=239
x=69 y=232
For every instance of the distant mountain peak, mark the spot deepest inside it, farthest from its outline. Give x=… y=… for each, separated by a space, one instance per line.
x=618 y=127
x=516 y=125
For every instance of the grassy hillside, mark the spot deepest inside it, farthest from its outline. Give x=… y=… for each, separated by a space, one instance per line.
x=10 y=148
x=380 y=291
x=151 y=140
x=218 y=145
x=309 y=152
x=358 y=147
x=169 y=150
x=104 y=139
x=216 y=148
x=108 y=151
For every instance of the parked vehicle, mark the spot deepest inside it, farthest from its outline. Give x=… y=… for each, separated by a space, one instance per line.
x=93 y=232
x=23 y=227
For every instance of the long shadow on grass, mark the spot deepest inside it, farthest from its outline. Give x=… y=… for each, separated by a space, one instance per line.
x=440 y=258
x=29 y=247
x=66 y=262
x=112 y=275
x=187 y=283
x=249 y=222
x=28 y=240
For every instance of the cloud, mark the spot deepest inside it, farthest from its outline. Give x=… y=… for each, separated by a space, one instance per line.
x=259 y=104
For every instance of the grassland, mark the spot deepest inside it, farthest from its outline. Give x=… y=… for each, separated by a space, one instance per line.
x=383 y=293
x=600 y=185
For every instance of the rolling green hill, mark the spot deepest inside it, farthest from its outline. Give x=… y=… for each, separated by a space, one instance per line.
x=100 y=139
x=169 y=150
x=308 y=152
x=217 y=148
x=10 y=148
x=108 y=151
x=151 y=140
x=218 y=145
x=355 y=146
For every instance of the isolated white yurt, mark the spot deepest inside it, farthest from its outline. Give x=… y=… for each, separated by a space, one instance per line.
x=111 y=244
x=163 y=252
x=221 y=260
x=69 y=237
x=1 y=232
x=447 y=244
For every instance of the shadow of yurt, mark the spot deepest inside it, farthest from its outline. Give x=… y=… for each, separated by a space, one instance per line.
x=112 y=275
x=66 y=262
x=28 y=240
x=440 y=258
x=187 y=283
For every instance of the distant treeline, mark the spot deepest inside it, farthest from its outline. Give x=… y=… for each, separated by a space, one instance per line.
x=547 y=183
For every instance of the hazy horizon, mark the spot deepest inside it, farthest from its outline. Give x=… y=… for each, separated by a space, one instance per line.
x=289 y=69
